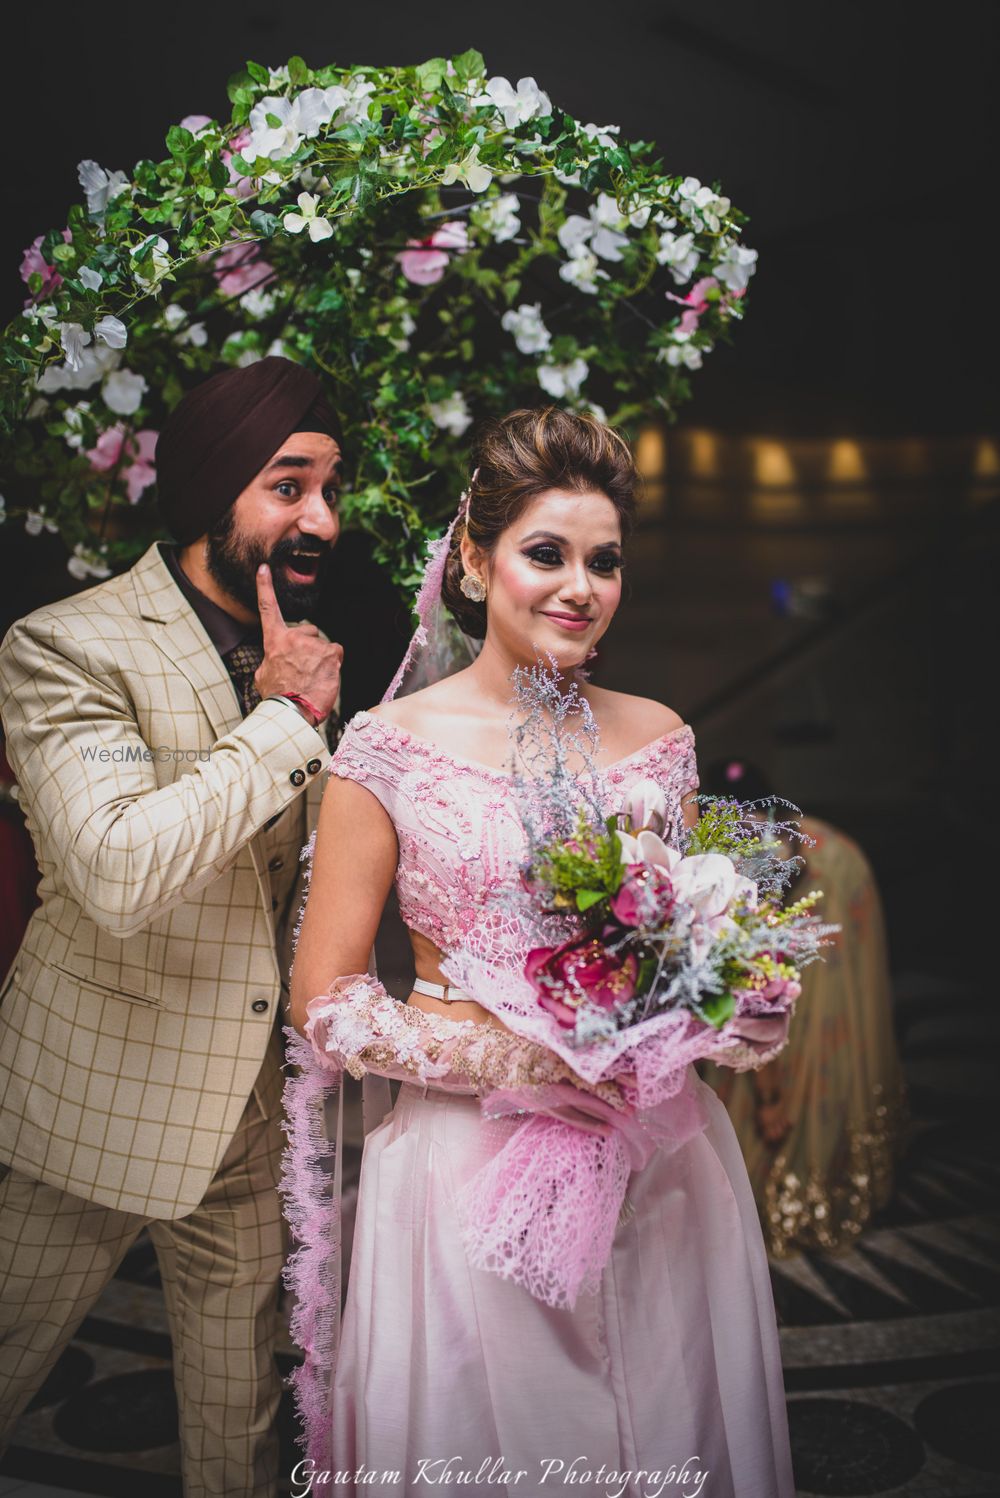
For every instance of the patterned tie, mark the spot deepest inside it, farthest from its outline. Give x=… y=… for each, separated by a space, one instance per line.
x=242 y=663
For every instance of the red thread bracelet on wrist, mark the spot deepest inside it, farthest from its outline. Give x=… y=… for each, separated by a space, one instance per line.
x=310 y=707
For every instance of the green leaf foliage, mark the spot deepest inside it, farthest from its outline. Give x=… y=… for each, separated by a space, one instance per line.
x=197 y=259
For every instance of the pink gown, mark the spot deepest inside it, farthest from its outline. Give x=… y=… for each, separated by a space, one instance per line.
x=671 y=1367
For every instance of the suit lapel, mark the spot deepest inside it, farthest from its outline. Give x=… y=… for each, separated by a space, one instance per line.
x=184 y=640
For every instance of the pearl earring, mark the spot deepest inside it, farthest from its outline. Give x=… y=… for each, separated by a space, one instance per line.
x=473 y=587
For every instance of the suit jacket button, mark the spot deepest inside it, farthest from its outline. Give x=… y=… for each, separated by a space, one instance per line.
x=314 y=766
x=259 y=1006
x=298 y=777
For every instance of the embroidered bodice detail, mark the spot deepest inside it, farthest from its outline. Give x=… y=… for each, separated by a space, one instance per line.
x=460 y=838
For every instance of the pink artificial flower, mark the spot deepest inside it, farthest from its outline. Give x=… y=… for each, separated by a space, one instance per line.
x=424 y=261
x=696 y=303
x=32 y=261
x=142 y=472
x=195 y=122
x=115 y=444
x=645 y=807
x=241 y=267
x=645 y=897
x=583 y=969
x=239 y=186
x=108 y=451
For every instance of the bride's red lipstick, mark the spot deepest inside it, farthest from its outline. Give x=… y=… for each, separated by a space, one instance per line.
x=577 y=622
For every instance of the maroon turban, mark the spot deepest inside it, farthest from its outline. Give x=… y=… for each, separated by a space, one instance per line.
x=224 y=431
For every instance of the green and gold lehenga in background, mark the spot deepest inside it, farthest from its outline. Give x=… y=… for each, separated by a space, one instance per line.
x=839 y=1077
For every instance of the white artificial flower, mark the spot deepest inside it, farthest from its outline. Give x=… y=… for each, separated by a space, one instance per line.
x=74 y=340
x=607 y=222
x=678 y=253
x=319 y=228
x=122 y=391
x=568 y=179
x=704 y=202
x=277 y=77
x=518 y=105
x=603 y=134
x=312 y=183
x=73 y=417
x=296 y=118
x=737 y=265
x=610 y=215
x=195 y=335
x=34 y=522
x=100 y=187
x=303 y=117
x=574 y=231
x=605 y=211
x=609 y=243
x=257 y=303
x=499 y=217
x=407 y=326
x=598 y=412
x=95 y=363
x=359 y=92
x=112 y=331
x=173 y=315
x=92 y=279
x=38 y=407
x=45 y=312
x=581 y=270
x=529 y=331
x=469 y=171
x=451 y=414
x=86 y=563
x=559 y=380
x=279 y=350
x=155 y=265
x=249 y=356
x=681 y=351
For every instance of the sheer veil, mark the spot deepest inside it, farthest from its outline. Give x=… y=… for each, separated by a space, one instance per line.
x=311 y=1174
x=438 y=647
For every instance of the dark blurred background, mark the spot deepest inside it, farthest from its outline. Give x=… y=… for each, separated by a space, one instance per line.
x=810 y=584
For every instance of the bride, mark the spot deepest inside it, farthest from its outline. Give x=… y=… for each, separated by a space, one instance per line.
x=672 y=1365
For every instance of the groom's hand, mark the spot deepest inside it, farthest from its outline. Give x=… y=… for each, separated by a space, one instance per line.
x=295 y=658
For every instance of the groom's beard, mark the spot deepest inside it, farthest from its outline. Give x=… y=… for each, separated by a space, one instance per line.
x=233 y=558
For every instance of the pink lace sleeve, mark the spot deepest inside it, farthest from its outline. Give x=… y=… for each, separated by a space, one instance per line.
x=356 y=1026
x=367 y=757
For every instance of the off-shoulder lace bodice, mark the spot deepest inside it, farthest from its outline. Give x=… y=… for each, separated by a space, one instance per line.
x=460 y=838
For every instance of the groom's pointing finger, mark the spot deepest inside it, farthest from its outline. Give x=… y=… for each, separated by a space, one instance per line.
x=267 y=604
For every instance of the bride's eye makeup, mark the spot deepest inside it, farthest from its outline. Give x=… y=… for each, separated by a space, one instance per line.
x=547 y=555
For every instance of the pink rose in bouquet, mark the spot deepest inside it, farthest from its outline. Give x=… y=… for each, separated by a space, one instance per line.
x=581 y=971
x=646 y=896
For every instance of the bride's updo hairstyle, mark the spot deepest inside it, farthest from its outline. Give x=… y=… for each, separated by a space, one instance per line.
x=522 y=455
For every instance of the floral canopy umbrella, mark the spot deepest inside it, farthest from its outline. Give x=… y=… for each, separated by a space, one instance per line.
x=436 y=243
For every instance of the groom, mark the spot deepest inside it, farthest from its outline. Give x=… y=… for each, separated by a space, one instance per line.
x=166 y=729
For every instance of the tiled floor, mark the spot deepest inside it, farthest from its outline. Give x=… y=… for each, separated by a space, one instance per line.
x=891 y=1352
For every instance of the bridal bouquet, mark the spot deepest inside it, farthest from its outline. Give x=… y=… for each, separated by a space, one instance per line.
x=662 y=929
x=648 y=946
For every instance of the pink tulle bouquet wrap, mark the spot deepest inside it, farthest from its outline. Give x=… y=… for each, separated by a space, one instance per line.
x=643 y=956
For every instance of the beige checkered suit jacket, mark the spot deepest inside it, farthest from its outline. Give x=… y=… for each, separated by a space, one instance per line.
x=129 y=1041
